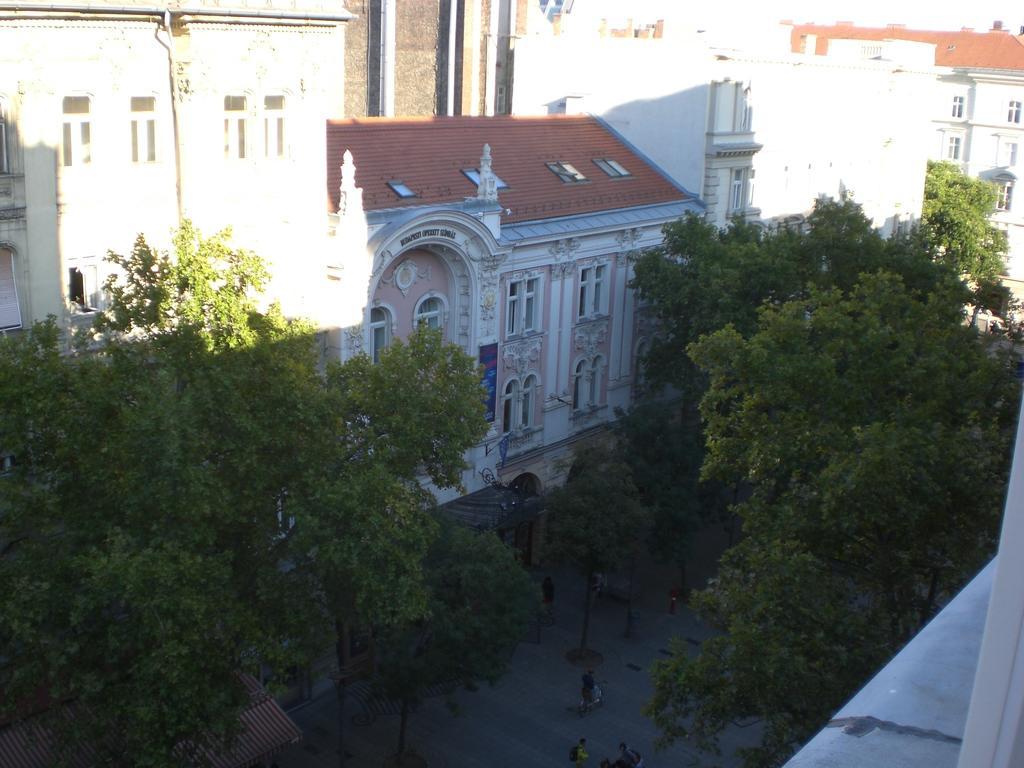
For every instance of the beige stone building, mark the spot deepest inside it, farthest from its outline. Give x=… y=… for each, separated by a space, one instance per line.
x=118 y=118
x=419 y=58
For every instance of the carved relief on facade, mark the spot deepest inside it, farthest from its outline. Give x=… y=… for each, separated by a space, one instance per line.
x=488 y=276
x=352 y=341
x=522 y=356
x=406 y=275
x=564 y=252
x=588 y=338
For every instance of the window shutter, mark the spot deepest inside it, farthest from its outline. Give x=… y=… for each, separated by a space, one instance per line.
x=10 y=313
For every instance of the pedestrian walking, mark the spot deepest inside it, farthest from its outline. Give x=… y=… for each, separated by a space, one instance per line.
x=630 y=757
x=578 y=754
x=547 y=588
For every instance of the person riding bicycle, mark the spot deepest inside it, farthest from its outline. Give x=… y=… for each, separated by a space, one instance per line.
x=590 y=691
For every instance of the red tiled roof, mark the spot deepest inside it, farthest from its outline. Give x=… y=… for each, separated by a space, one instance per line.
x=429 y=154
x=266 y=730
x=995 y=49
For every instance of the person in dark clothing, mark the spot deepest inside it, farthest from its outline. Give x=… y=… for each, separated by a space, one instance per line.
x=547 y=588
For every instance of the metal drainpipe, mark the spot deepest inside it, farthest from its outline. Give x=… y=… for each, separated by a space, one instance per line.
x=453 y=28
x=387 y=64
x=165 y=24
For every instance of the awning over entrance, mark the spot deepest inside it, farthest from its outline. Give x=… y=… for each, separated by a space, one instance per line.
x=266 y=730
x=491 y=508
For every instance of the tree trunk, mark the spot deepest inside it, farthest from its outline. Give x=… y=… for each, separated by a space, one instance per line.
x=586 y=614
x=339 y=688
x=401 y=726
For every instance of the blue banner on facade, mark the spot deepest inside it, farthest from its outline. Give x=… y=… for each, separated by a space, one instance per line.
x=489 y=361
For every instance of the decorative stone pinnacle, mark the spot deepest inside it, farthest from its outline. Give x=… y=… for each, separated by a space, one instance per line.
x=349 y=195
x=488 y=188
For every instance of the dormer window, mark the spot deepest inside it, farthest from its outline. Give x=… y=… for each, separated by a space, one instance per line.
x=473 y=174
x=566 y=172
x=611 y=167
x=400 y=189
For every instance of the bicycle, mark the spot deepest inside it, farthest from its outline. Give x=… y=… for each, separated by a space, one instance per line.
x=596 y=700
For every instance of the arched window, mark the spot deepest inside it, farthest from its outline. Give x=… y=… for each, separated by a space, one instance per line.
x=594 y=390
x=429 y=313
x=577 y=384
x=509 y=406
x=380 y=332
x=529 y=385
x=639 y=363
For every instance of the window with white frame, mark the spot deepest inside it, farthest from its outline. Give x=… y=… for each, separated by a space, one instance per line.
x=143 y=129
x=737 y=198
x=1013 y=112
x=10 y=311
x=526 y=411
x=5 y=161
x=85 y=287
x=1004 y=194
x=76 y=139
x=510 y=405
x=586 y=383
x=236 y=118
x=380 y=332
x=1007 y=153
x=639 y=362
x=521 y=306
x=592 y=289
x=429 y=313
x=958 y=106
x=953 y=144
x=273 y=126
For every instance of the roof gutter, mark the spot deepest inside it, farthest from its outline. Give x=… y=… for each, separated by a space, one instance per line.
x=21 y=10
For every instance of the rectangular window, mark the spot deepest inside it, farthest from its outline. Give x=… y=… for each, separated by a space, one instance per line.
x=567 y=172
x=520 y=306
x=1013 y=113
x=4 y=162
x=611 y=167
x=1008 y=153
x=235 y=118
x=10 y=311
x=85 y=287
x=592 y=284
x=143 y=129
x=1005 y=196
x=958 y=106
x=736 y=197
x=76 y=146
x=953 y=148
x=273 y=126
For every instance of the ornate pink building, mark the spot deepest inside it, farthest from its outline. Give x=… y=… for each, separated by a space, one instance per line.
x=514 y=237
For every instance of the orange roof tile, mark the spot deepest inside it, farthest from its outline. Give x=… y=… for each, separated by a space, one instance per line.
x=995 y=49
x=429 y=154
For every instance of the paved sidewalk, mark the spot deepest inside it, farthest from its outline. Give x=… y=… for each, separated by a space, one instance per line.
x=529 y=718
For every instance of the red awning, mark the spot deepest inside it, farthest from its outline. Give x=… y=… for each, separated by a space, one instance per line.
x=266 y=730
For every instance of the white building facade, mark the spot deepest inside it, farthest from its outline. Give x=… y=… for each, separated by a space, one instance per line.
x=121 y=118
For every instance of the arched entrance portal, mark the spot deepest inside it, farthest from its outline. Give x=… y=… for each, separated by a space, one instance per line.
x=519 y=534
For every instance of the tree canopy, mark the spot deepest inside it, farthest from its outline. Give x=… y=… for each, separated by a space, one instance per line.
x=596 y=516
x=872 y=428
x=193 y=498
x=480 y=602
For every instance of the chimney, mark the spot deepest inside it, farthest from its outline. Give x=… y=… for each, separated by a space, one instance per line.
x=997 y=26
x=659 y=29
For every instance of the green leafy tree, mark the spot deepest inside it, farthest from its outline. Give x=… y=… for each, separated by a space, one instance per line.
x=479 y=604
x=872 y=428
x=595 y=517
x=367 y=529
x=140 y=528
x=665 y=454
x=956 y=226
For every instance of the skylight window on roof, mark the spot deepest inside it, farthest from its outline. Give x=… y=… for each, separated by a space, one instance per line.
x=566 y=172
x=611 y=167
x=400 y=189
x=473 y=174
